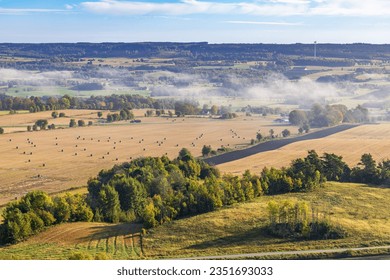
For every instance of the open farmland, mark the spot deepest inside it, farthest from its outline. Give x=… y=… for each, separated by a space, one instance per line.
x=56 y=160
x=350 y=144
x=19 y=122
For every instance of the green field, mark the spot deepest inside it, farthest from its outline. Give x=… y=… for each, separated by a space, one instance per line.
x=359 y=209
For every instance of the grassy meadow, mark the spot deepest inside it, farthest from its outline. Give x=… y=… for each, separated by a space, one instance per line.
x=359 y=209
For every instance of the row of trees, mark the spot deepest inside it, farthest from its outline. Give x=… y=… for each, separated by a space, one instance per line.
x=305 y=174
x=328 y=115
x=112 y=102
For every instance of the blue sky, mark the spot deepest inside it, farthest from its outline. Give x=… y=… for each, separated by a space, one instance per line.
x=236 y=21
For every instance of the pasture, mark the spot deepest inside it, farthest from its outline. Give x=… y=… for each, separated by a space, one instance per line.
x=60 y=159
x=350 y=144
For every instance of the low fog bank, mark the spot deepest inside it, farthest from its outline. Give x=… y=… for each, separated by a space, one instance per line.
x=272 y=88
x=269 y=88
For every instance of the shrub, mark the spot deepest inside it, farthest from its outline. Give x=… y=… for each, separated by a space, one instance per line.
x=80 y=256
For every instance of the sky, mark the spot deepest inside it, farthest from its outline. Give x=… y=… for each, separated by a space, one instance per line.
x=225 y=21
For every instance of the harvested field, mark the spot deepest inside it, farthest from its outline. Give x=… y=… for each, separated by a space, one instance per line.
x=117 y=241
x=19 y=122
x=274 y=145
x=56 y=160
x=350 y=144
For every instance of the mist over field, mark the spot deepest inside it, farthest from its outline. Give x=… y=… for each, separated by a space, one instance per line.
x=268 y=88
x=43 y=78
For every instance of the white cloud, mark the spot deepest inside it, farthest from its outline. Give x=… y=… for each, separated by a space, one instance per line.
x=69 y=7
x=186 y=7
x=352 y=8
x=259 y=7
x=4 y=11
x=264 y=22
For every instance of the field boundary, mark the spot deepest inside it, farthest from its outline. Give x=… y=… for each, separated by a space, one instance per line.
x=276 y=144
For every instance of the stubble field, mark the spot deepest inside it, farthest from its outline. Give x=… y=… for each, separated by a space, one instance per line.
x=60 y=159
x=350 y=144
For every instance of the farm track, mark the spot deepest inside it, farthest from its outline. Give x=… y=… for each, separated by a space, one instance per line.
x=276 y=144
x=286 y=253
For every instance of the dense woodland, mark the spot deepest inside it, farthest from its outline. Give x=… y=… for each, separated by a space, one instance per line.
x=156 y=190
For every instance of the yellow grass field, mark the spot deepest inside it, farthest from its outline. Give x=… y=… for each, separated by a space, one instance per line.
x=360 y=210
x=350 y=144
x=56 y=160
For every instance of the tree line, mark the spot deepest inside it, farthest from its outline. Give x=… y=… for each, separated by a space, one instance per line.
x=192 y=50
x=329 y=115
x=111 y=102
x=156 y=190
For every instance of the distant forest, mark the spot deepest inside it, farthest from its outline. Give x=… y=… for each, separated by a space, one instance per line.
x=51 y=56
x=198 y=51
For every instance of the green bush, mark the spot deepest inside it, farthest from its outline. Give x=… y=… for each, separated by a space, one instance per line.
x=80 y=256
